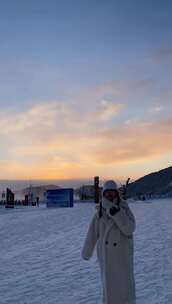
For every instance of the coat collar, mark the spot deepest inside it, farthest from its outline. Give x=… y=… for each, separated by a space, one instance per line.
x=107 y=204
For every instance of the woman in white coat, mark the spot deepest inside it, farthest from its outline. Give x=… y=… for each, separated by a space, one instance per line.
x=111 y=230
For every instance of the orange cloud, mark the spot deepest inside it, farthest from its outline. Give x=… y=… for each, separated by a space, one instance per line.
x=134 y=142
x=58 y=140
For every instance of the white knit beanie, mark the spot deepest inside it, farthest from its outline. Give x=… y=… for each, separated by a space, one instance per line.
x=110 y=185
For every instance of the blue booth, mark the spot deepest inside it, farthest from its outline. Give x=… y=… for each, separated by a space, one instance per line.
x=59 y=197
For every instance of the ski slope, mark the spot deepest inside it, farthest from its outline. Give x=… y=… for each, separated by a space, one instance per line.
x=41 y=255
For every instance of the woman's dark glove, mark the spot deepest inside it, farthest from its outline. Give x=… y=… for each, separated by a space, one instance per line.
x=113 y=210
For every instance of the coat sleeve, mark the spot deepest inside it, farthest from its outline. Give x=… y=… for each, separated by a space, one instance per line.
x=125 y=219
x=91 y=239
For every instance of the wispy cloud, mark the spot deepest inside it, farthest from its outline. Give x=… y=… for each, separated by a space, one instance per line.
x=134 y=142
x=156 y=109
x=163 y=54
x=107 y=110
x=57 y=140
x=92 y=129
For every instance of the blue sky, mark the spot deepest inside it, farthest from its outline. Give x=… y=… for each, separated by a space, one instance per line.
x=71 y=60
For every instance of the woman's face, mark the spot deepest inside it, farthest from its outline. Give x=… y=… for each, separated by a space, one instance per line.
x=110 y=194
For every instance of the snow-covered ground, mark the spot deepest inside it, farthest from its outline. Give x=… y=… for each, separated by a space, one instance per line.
x=40 y=255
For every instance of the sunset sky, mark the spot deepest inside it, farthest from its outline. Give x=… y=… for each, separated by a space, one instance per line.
x=85 y=88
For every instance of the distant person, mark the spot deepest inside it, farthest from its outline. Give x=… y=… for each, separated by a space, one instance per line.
x=112 y=228
x=37 y=201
